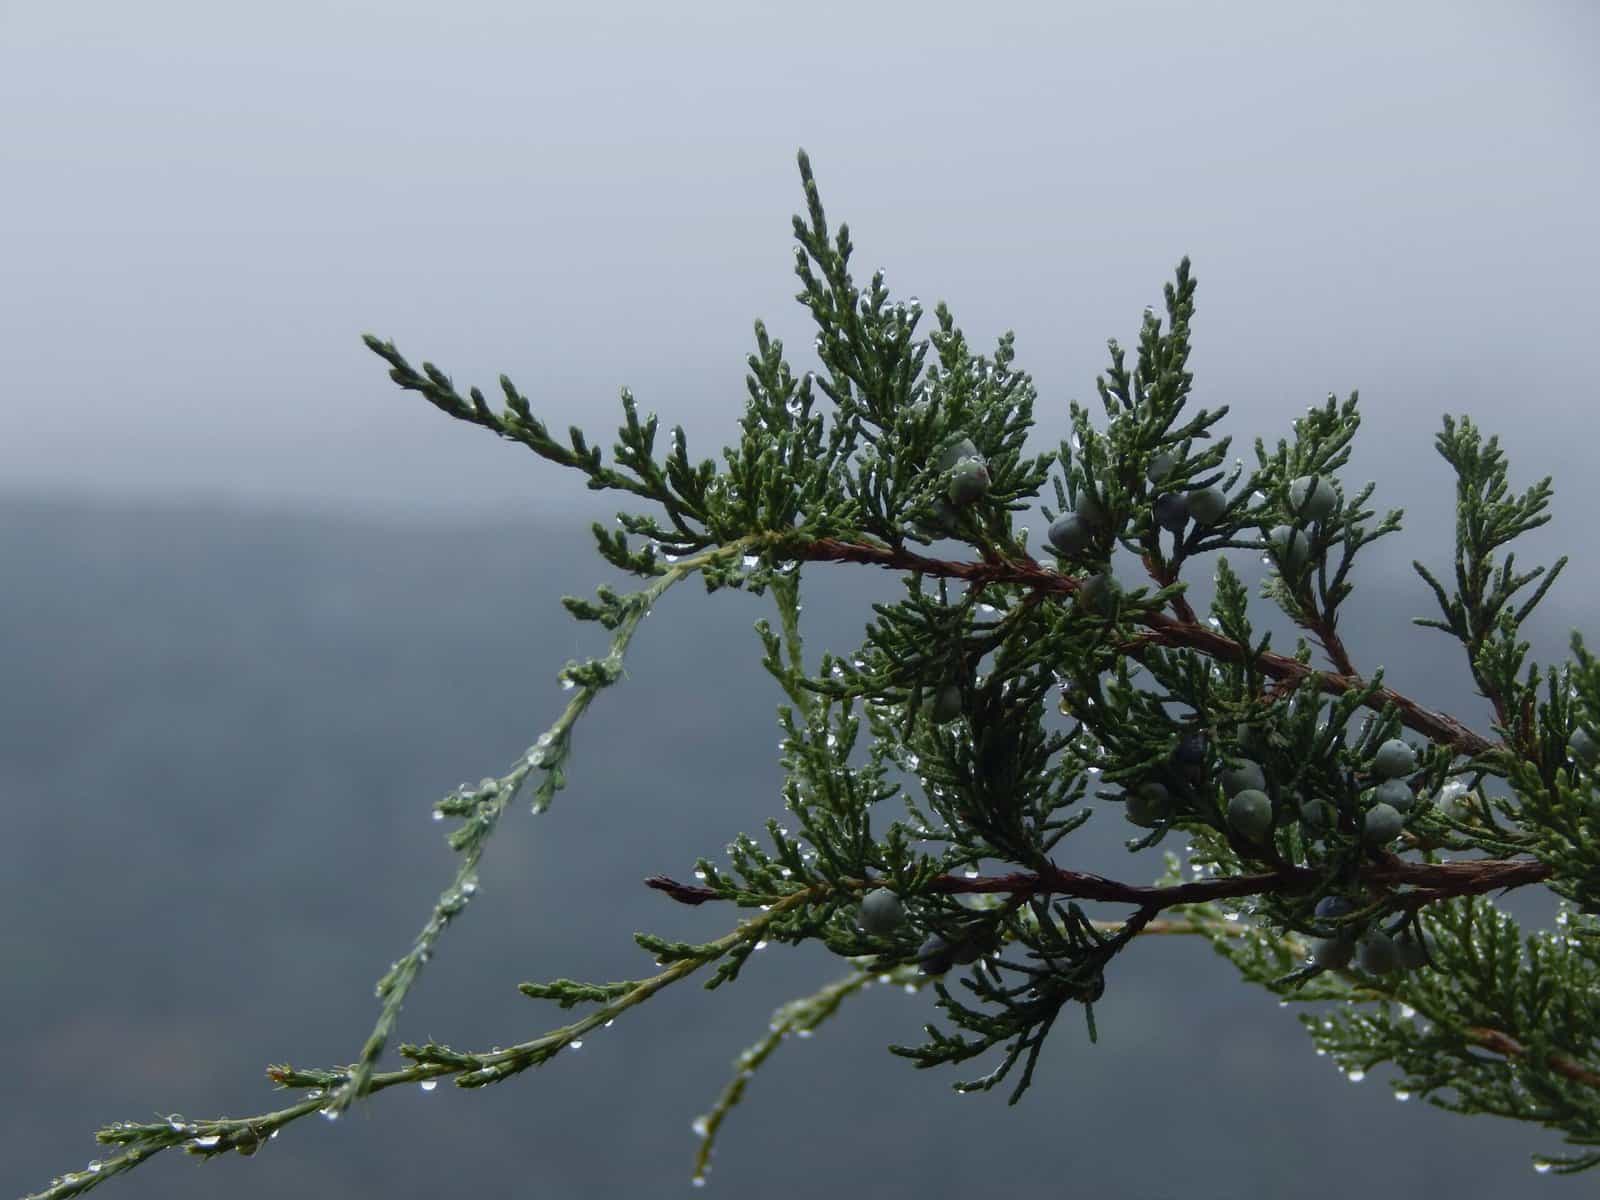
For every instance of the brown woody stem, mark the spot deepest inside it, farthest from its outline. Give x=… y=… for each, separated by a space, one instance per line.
x=1163 y=630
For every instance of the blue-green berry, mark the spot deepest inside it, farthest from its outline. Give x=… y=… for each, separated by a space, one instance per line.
x=1412 y=952
x=961 y=450
x=1453 y=800
x=1330 y=907
x=881 y=912
x=1095 y=593
x=1394 y=759
x=1191 y=751
x=947 y=704
x=1160 y=466
x=1291 y=546
x=1149 y=804
x=941 y=522
x=1318 y=815
x=1250 y=813
x=1312 y=498
x=969 y=482
x=1070 y=535
x=1396 y=793
x=1252 y=739
x=1382 y=824
x=1583 y=748
x=935 y=956
x=1332 y=953
x=1207 y=505
x=1376 y=954
x=1089 y=508
x=1172 y=511
x=1243 y=774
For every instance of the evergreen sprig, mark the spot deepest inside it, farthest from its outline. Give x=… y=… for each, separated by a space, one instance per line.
x=1341 y=839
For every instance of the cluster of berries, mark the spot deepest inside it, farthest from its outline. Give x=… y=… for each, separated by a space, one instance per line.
x=882 y=914
x=1312 y=500
x=1074 y=534
x=1374 y=951
x=969 y=483
x=1251 y=812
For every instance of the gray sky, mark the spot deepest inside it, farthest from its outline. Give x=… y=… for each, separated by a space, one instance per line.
x=205 y=205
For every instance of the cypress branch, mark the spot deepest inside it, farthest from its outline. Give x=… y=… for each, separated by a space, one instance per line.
x=935 y=774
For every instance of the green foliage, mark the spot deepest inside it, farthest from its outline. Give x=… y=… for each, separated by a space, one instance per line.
x=1001 y=702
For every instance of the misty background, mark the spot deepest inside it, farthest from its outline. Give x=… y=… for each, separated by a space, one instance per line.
x=259 y=609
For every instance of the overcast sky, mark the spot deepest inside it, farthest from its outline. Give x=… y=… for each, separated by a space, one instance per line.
x=205 y=205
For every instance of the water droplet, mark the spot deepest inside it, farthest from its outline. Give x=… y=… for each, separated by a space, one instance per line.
x=699 y=874
x=911 y=989
x=762 y=944
x=176 y=1121
x=1402 y=1095
x=577 y=1043
x=1407 y=1011
x=1355 y=1074
x=469 y=887
x=93 y=1166
x=428 y=1085
x=208 y=1141
x=567 y=685
x=700 y=1127
x=750 y=561
x=437 y=815
x=331 y=1114
x=698 y=1181
x=609 y=1023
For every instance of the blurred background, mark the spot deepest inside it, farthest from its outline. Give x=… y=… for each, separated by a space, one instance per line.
x=259 y=609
